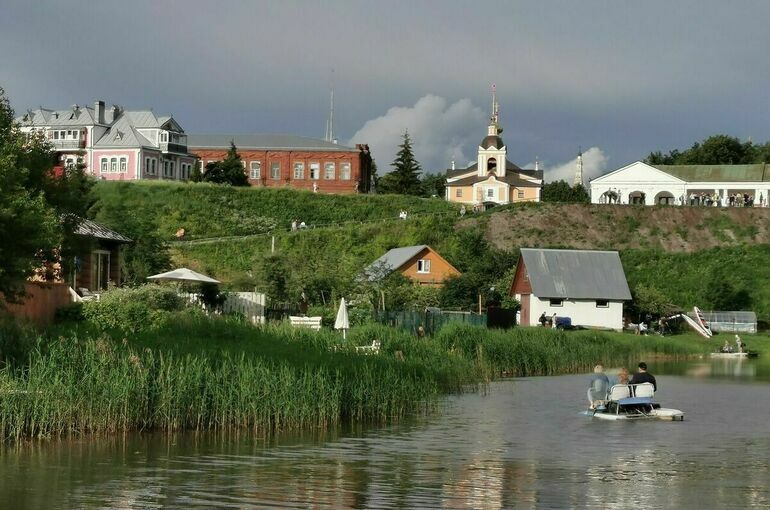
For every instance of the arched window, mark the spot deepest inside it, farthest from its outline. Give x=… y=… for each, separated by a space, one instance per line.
x=636 y=197
x=665 y=198
x=491 y=166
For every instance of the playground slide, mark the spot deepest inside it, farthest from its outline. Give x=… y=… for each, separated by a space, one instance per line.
x=697 y=327
x=701 y=322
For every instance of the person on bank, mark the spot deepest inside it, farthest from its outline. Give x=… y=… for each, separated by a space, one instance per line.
x=600 y=385
x=642 y=376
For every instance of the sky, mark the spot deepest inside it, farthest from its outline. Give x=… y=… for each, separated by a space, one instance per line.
x=616 y=78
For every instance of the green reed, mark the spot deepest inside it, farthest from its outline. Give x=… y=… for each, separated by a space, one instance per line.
x=216 y=374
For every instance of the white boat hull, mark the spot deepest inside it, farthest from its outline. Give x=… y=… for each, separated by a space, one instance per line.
x=729 y=354
x=656 y=414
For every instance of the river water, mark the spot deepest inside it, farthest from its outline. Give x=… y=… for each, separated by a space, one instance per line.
x=521 y=444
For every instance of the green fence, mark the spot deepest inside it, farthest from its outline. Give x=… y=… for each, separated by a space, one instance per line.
x=431 y=321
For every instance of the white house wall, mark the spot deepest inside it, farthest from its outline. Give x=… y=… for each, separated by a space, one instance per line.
x=582 y=312
x=640 y=177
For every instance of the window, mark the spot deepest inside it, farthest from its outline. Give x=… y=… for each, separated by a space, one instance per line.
x=55 y=135
x=256 y=170
x=146 y=165
x=104 y=165
x=423 y=266
x=154 y=166
x=459 y=192
x=164 y=137
x=165 y=168
x=299 y=170
x=602 y=303
x=491 y=193
x=275 y=170
x=171 y=169
x=556 y=302
x=123 y=165
x=113 y=165
x=521 y=194
x=329 y=171
x=345 y=171
x=315 y=171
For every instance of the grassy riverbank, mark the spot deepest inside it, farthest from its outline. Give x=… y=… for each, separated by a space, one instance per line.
x=205 y=374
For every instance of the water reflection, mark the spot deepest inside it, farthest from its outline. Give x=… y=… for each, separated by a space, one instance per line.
x=523 y=444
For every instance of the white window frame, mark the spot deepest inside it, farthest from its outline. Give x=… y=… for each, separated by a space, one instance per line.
x=299 y=170
x=520 y=193
x=123 y=162
x=113 y=165
x=423 y=266
x=330 y=165
x=163 y=136
x=105 y=165
x=275 y=170
x=315 y=171
x=491 y=194
x=555 y=303
x=602 y=303
x=345 y=171
x=459 y=193
x=255 y=169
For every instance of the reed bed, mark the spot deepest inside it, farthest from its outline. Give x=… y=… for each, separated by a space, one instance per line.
x=204 y=374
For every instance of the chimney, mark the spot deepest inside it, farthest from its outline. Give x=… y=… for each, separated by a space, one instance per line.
x=99 y=109
x=115 y=112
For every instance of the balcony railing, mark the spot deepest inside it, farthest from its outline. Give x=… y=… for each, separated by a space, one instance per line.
x=68 y=144
x=173 y=147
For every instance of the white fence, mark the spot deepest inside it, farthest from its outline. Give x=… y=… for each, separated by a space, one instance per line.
x=249 y=304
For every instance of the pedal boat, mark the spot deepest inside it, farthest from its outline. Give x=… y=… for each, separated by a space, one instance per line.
x=634 y=402
x=734 y=355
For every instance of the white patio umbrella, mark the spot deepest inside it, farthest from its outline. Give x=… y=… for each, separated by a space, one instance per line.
x=183 y=275
x=342 y=321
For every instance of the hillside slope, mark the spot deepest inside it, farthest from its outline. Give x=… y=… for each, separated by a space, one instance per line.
x=589 y=226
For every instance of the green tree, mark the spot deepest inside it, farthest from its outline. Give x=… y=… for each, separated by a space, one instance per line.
x=405 y=177
x=197 y=173
x=30 y=227
x=433 y=185
x=228 y=171
x=560 y=191
x=273 y=273
x=714 y=150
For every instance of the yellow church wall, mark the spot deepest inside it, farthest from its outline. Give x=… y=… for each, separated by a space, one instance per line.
x=466 y=197
x=528 y=194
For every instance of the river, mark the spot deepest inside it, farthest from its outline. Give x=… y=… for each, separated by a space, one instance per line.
x=521 y=444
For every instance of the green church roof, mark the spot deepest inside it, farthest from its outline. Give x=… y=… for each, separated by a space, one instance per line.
x=717 y=173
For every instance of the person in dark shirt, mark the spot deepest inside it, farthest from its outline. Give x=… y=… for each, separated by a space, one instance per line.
x=642 y=376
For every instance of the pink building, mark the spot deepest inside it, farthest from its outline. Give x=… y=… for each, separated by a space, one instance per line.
x=114 y=143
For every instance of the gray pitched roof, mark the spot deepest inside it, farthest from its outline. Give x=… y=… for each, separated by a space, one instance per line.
x=576 y=274
x=123 y=134
x=82 y=116
x=270 y=142
x=392 y=260
x=90 y=228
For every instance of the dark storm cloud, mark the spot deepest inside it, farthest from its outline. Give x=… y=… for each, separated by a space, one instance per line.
x=626 y=77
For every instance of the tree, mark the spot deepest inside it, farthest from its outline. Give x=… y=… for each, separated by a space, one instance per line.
x=433 y=185
x=714 y=150
x=560 y=191
x=197 y=174
x=405 y=177
x=30 y=227
x=228 y=171
x=274 y=274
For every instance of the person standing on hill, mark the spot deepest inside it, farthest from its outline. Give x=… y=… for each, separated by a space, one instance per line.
x=644 y=377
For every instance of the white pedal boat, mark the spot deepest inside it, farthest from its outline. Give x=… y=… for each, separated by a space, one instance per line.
x=733 y=355
x=628 y=402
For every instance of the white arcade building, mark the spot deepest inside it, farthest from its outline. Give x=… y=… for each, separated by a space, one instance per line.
x=640 y=183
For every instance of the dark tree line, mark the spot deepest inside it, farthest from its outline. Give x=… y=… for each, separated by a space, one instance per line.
x=714 y=150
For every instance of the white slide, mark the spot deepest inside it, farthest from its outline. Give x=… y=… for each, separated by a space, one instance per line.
x=697 y=327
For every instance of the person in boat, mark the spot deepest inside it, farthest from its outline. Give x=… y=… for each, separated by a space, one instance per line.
x=726 y=347
x=623 y=376
x=600 y=385
x=642 y=376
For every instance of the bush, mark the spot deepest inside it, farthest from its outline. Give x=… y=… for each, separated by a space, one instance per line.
x=133 y=310
x=16 y=341
x=70 y=313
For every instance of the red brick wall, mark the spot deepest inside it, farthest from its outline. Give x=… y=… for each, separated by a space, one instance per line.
x=360 y=168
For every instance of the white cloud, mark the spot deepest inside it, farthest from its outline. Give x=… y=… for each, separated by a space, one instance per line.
x=440 y=132
x=594 y=165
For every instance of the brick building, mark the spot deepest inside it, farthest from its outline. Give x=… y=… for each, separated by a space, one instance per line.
x=292 y=161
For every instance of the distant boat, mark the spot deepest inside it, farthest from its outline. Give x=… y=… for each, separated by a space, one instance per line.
x=734 y=355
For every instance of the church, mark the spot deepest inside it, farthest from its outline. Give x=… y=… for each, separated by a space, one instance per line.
x=493 y=180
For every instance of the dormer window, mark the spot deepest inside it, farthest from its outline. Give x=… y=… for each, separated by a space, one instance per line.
x=163 y=136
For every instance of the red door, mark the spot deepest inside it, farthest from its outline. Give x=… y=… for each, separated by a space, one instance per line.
x=525 y=310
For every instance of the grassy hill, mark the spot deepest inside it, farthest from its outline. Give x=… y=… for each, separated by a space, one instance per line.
x=694 y=256
x=209 y=210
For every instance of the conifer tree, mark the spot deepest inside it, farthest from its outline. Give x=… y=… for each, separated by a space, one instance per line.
x=405 y=177
x=228 y=171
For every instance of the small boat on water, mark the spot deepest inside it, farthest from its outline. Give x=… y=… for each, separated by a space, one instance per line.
x=633 y=402
x=734 y=355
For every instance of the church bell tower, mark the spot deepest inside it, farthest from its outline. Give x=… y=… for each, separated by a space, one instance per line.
x=492 y=151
